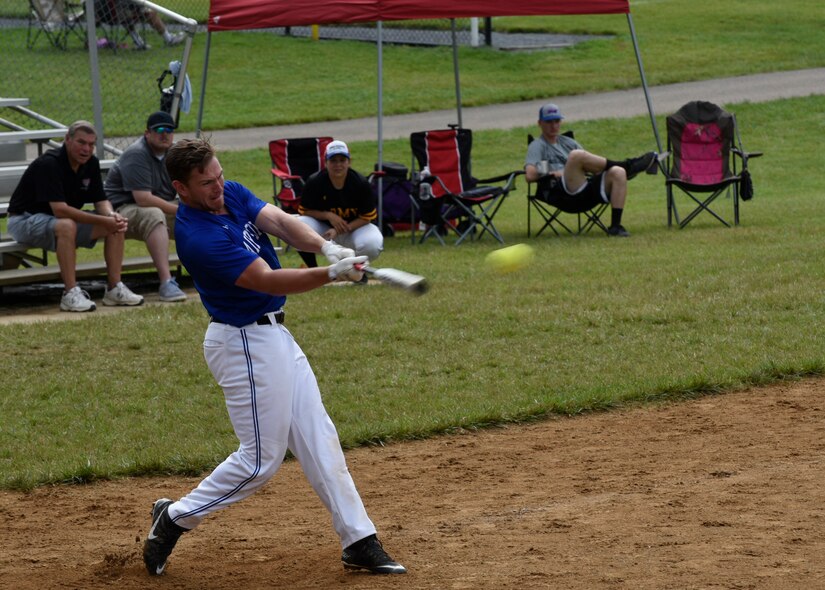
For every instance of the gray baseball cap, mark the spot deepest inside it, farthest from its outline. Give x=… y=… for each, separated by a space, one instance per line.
x=550 y=112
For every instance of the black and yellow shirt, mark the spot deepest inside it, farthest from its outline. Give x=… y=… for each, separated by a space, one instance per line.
x=355 y=200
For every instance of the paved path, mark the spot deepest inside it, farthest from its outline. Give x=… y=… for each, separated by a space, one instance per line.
x=622 y=103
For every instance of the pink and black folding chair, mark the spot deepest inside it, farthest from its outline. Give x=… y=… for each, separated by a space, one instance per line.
x=704 y=144
x=293 y=161
x=460 y=203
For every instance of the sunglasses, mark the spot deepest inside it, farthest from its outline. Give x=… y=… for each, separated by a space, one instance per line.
x=164 y=129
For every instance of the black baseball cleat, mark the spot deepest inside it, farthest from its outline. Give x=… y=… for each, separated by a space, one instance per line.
x=618 y=231
x=368 y=554
x=161 y=538
x=634 y=166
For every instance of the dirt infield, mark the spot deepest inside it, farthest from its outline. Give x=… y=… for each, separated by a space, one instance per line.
x=720 y=492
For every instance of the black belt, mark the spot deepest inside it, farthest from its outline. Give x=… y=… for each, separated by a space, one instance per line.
x=264 y=320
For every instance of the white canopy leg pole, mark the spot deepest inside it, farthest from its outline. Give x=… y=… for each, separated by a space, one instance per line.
x=203 y=83
x=644 y=83
x=380 y=125
x=455 y=69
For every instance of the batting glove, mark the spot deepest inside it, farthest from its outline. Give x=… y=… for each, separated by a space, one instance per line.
x=345 y=270
x=335 y=252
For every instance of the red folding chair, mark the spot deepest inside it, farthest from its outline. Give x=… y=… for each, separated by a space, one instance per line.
x=460 y=203
x=293 y=161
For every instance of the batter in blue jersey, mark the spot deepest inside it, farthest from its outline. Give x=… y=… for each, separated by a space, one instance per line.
x=217 y=249
x=222 y=237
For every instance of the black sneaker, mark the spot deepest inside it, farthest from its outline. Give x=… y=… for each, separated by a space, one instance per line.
x=653 y=169
x=634 y=166
x=618 y=231
x=161 y=538
x=368 y=554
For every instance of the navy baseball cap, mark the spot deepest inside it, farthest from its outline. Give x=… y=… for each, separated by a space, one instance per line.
x=550 y=112
x=160 y=119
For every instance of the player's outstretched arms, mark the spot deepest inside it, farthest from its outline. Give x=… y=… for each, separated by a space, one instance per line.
x=283 y=281
x=275 y=222
x=286 y=281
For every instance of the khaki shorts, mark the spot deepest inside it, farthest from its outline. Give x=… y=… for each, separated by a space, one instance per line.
x=143 y=221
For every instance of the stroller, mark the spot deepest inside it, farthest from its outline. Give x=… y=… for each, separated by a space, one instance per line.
x=167 y=93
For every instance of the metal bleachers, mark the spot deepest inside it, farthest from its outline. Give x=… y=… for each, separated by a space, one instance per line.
x=20 y=264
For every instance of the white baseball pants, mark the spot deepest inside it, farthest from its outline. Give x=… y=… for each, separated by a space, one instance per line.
x=274 y=404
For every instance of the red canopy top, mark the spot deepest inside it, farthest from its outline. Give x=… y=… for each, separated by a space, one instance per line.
x=227 y=15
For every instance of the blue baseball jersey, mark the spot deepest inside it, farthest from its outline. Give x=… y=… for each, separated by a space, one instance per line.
x=216 y=249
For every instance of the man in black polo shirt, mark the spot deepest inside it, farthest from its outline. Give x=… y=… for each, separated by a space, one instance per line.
x=45 y=211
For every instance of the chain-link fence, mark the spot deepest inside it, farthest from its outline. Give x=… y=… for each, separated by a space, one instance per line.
x=46 y=55
x=118 y=79
x=425 y=32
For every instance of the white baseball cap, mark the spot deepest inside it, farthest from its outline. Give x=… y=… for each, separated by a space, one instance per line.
x=337 y=148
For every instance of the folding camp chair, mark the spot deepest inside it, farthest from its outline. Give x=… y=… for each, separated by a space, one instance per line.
x=56 y=20
x=703 y=139
x=550 y=214
x=120 y=20
x=462 y=204
x=293 y=161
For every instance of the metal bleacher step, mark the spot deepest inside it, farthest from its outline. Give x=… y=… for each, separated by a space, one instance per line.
x=19 y=276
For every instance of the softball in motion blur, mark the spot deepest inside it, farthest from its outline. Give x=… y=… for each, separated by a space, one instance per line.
x=510 y=259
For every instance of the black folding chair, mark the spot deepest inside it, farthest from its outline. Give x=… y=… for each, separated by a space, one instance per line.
x=550 y=214
x=120 y=20
x=57 y=21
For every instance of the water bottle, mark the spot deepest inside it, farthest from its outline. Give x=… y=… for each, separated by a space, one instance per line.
x=425 y=189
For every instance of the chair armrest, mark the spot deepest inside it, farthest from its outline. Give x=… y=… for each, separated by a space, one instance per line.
x=510 y=179
x=503 y=177
x=284 y=176
x=432 y=179
x=745 y=155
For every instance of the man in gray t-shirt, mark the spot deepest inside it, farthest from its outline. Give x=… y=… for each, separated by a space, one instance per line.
x=139 y=188
x=575 y=180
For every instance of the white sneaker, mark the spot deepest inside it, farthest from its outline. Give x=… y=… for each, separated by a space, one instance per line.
x=76 y=299
x=170 y=291
x=121 y=295
x=175 y=39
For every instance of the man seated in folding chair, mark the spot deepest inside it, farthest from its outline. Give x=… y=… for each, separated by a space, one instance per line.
x=338 y=203
x=128 y=15
x=574 y=180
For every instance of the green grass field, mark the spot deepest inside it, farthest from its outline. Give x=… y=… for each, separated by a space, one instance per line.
x=592 y=324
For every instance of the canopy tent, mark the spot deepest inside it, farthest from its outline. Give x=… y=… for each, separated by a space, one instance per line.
x=227 y=15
